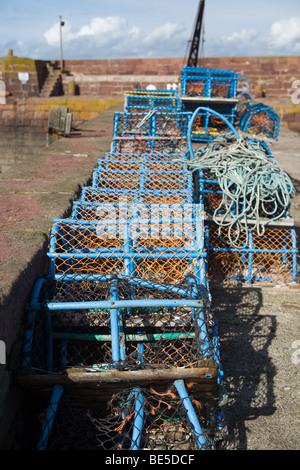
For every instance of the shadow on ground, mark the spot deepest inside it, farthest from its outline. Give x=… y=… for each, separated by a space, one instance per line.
x=245 y=335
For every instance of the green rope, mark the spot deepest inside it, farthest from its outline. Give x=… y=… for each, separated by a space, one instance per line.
x=253 y=185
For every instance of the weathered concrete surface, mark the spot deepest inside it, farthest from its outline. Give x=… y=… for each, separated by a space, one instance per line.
x=32 y=193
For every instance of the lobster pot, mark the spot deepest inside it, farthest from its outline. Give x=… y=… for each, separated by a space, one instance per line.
x=159 y=242
x=268 y=259
x=145 y=103
x=152 y=124
x=152 y=93
x=85 y=210
x=197 y=81
x=258 y=119
x=142 y=173
x=98 y=196
x=154 y=145
x=206 y=125
x=146 y=98
x=140 y=418
x=106 y=322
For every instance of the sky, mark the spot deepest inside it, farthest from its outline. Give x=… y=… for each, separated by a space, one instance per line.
x=98 y=29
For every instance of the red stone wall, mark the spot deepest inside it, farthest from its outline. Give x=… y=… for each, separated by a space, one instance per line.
x=271 y=77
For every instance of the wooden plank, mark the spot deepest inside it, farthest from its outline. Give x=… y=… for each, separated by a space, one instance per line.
x=206 y=99
x=100 y=386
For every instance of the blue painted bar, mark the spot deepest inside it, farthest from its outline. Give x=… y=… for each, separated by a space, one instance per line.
x=48 y=423
x=138 y=420
x=114 y=321
x=32 y=309
x=182 y=254
x=49 y=345
x=199 y=318
x=201 y=441
x=28 y=337
x=130 y=303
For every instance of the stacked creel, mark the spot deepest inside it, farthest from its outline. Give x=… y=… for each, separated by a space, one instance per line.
x=126 y=304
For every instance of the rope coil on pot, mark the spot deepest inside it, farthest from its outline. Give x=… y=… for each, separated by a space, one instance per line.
x=252 y=183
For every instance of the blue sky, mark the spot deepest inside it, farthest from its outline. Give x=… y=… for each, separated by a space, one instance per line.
x=98 y=29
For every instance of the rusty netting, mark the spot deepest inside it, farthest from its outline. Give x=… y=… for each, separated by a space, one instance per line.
x=196 y=88
x=221 y=88
x=268 y=259
x=153 y=123
x=214 y=88
x=152 y=418
x=159 y=325
x=154 y=145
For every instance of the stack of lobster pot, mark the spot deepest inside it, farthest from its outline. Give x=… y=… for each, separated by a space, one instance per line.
x=209 y=90
x=121 y=345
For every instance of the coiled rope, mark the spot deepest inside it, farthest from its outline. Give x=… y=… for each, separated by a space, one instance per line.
x=252 y=183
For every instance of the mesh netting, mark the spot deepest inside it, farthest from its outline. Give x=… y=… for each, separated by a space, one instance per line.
x=269 y=259
x=152 y=418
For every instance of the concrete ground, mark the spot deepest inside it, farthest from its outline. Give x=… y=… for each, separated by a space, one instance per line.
x=259 y=328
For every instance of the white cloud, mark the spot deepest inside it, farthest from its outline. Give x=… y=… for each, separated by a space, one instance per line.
x=120 y=39
x=52 y=36
x=244 y=36
x=114 y=37
x=103 y=27
x=285 y=33
x=283 y=38
x=163 y=33
x=100 y=30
